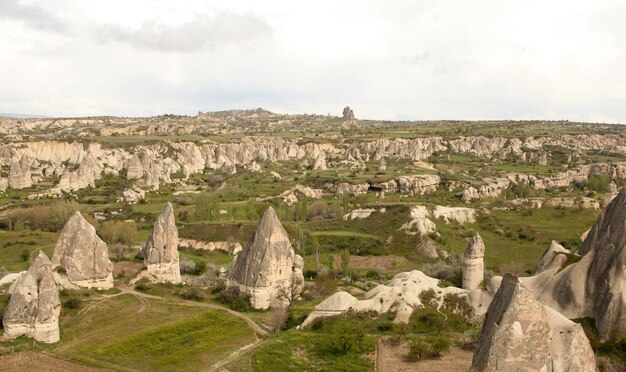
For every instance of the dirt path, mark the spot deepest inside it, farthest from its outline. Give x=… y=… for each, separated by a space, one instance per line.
x=236 y=354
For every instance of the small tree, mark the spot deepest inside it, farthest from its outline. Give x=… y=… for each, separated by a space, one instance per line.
x=278 y=318
x=290 y=292
x=346 y=337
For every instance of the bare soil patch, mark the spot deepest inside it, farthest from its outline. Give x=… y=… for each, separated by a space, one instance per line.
x=394 y=359
x=37 y=362
x=130 y=269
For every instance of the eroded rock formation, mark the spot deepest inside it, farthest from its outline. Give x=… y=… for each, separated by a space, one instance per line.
x=34 y=307
x=400 y=295
x=473 y=264
x=266 y=264
x=161 y=251
x=19 y=173
x=595 y=286
x=83 y=255
x=521 y=334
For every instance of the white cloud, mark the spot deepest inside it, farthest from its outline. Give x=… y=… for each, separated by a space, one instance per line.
x=422 y=59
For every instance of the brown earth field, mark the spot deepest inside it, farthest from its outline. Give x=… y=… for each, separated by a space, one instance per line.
x=391 y=358
x=36 y=362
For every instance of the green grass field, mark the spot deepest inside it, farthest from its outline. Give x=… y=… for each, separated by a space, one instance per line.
x=124 y=332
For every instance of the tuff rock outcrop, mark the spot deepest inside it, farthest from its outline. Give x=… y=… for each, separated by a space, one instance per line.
x=161 y=251
x=419 y=223
x=19 y=173
x=418 y=185
x=134 y=169
x=595 y=286
x=266 y=264
x=320 y=162
x=132 y=195
x=473 y=264
x=521 y=334
x=83 y=255
x=89 y=170
x=459 y=215
x=400 y=295
x=34 y=308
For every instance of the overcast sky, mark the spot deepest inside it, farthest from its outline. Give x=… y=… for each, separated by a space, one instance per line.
x=419 y=59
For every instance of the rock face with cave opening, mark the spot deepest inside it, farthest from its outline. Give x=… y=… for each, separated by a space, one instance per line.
x=161 y=251
x=267 y=268
x=34 y=307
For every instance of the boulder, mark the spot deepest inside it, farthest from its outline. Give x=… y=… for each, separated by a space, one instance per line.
x=266 y=264
x=521 y=334
x=34 y=308
x=473 y=265
x=161 y=251
x=83 y=255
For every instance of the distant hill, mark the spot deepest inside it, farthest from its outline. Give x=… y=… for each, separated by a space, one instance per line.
x=23 y=116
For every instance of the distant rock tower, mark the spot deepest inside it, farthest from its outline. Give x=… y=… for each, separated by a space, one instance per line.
x=161 y=250
x=348 y=114
x=473 y=265
x=267 y=263
x=34 y=307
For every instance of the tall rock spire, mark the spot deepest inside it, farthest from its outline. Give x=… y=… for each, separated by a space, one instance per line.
x=266 y=262
x=473 y=265
x=161 y=250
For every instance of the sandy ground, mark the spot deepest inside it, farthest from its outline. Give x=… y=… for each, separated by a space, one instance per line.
x=38 y=362
x=130 y=268
x=394 y=359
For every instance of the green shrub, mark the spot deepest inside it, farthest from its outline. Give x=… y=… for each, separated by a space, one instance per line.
x=25 y=255
x=429 y=348
x=193 y=294
x=143 y=287
x=346 y=337
x=235 y=299
x=72 y=303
